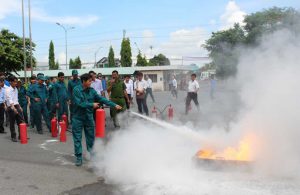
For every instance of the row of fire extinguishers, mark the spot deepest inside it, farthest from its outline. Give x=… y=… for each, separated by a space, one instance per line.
x=60 y=128
x=158 y=114
x=55 y=130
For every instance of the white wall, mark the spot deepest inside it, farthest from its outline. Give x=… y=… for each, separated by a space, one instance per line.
x=159 y=85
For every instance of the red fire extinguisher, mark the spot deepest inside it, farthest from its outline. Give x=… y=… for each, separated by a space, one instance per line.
x=63 y=136
x=170 y=112
x=54 y=127
x=100 y=123
x=65 y=118
x=154 y=112
x=23 y=133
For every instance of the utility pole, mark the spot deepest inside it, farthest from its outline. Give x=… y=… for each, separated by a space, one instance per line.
x=96 y=55
x=66 y=40
x=124 y=34
x=151 y=47
x=30 y=37
x=24 y=44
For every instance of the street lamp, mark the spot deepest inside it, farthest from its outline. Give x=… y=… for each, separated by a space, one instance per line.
x=30 y=37
x=96 y=55
x=24 y=43
x=66 y=39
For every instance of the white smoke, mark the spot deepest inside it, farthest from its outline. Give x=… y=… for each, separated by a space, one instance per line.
x=269 y=78
x=148 y=159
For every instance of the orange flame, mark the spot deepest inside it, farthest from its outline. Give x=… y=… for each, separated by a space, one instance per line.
x=241 y=153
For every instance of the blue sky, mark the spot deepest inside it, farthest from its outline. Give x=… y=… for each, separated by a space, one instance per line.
x=176 y=28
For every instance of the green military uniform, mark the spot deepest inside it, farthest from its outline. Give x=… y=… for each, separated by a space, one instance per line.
x=71 y=85
x=30 y=86
x=39 y=107
x=117 y=96
x=83 y=117
x=62 y=96
x=23 y=101
x=52 y=100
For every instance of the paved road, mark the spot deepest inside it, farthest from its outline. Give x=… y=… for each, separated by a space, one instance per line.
x=45 y=166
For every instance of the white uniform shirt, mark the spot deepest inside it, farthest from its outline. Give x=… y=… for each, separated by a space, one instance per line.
x=129 y=87
x=193 y=86
x=131 y=81
x=2 y=95
x=97 y=85
x=140 y=85
x=149 y=83
x=174 y=83
x=12 y=96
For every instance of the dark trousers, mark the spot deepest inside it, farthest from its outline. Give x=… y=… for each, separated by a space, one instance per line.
x=142 y=105
x=6 y=118
x=191 y=96
x=149 y=91
x=2 y=117
x=39 y=110
x=31 y=114
x=51 y=109
x=15 y=117
x=174 y=92
x=24 y=108
x=129 y=97
x=88 y=127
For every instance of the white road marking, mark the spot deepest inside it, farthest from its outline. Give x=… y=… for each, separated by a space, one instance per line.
x=44 y=146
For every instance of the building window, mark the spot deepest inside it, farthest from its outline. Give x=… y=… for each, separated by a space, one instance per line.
x=153 y=77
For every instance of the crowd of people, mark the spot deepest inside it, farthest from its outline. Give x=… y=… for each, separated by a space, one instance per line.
x=45 y=98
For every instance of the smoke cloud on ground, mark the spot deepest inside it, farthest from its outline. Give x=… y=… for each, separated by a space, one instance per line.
x=146 y=158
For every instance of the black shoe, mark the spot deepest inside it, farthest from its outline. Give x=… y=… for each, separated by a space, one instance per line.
x=40 y=132
x=78 y=162
x=14 y=139
x=3 y=132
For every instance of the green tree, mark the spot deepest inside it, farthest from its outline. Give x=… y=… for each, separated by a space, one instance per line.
x=111 y=58
x=11 y=52
x=144 y=61
x=270 y=20
x=125 y=53
x=159 y=60
x=223 y=45
x=56 y=65
x=75 y=64
x=141 y=60
x=71 y=64
x=51 y=57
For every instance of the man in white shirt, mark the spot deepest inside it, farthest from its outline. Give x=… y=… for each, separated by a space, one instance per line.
x=13 y=107
x=193 y=88
x=174 y=87
x=96 y=84
x=129 y=89
x=149 y=88
x=2 y=105
x=140 y=89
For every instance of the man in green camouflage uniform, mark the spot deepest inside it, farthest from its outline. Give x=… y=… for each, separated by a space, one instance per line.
x=118 y=95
